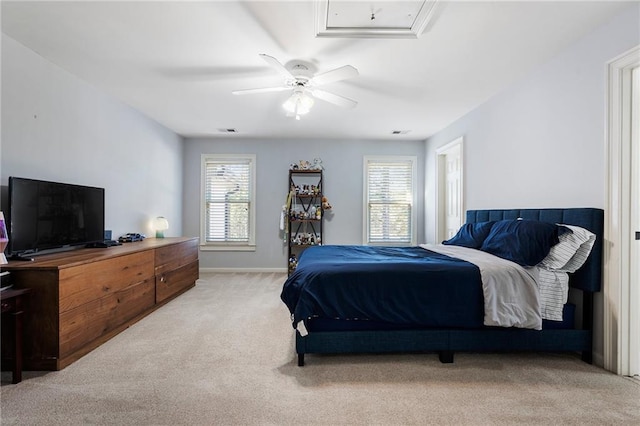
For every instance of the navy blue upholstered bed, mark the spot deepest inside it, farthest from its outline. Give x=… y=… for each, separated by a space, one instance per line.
x=326 y=335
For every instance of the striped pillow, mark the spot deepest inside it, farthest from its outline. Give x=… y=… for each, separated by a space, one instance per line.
x=572 y=250
x=554 y=291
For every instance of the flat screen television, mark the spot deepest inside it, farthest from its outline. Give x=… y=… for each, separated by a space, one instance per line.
x=44 y=216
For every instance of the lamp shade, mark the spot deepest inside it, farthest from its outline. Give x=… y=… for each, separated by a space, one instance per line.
x=298 y=104
x=161 y=224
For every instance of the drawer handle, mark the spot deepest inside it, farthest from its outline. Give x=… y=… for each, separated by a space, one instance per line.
x=162 y=279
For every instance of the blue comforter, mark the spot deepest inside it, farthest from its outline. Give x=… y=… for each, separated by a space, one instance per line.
x=397 y=285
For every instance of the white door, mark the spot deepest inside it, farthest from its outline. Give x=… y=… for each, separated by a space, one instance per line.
x=621 y=311
x=634 y=273
x=453 y=211
x=450 y=190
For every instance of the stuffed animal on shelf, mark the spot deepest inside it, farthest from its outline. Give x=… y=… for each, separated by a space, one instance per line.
x=293 y=263
x=325 y=204
x=317 y=164
x=304 y=165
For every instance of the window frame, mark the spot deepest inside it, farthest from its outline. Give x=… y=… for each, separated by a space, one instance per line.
x=250 y=245
x=372 y=159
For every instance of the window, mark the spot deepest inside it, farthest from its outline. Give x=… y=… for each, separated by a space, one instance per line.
x=389 y=199
x=228 y=202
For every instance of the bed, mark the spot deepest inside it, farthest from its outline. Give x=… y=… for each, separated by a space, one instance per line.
x=383 y=307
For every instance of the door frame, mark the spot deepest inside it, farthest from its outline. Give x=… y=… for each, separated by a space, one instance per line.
x=618 y=326
x=441 y=171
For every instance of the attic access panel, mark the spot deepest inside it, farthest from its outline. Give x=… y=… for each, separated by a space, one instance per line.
x=372 y=19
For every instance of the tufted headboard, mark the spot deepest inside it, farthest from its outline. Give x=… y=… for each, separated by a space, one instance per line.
x=589 y=276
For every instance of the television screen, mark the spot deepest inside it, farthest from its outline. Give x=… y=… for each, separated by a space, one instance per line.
x=48 y=215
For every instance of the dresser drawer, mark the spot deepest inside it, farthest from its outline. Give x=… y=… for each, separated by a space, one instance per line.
x=91 y=281
x=171 y=283
x=85 y=323
x=175 y=256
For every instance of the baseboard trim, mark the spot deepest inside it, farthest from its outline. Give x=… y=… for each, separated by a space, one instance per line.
x=245 y=270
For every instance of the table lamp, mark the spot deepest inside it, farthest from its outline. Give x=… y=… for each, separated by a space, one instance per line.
x=161 y=224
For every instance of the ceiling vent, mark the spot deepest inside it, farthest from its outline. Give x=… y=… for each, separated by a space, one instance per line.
x=228 y=130
x=400 y=132
x=373 y=19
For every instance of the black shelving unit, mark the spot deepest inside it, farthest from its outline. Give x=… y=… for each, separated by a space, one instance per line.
x=305 y=214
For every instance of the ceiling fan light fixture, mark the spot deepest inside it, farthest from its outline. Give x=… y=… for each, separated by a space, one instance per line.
x=298 y=104
x=302 y=80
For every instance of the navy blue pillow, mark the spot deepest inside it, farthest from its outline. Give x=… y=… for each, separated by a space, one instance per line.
x=525 y=242
x=470 y=235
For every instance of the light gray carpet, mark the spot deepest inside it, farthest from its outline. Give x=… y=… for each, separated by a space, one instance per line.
x=223 y=353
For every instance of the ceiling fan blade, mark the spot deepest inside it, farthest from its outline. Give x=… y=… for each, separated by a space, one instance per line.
x=333 y=98
x=277 y=65
x=261 y=90
x=337 y=74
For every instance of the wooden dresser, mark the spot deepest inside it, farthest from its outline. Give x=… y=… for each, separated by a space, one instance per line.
x=82 y=298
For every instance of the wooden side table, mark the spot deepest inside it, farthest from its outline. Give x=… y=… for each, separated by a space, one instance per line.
x=13 y=311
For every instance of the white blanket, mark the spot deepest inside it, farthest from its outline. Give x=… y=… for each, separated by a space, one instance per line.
x=511 y=296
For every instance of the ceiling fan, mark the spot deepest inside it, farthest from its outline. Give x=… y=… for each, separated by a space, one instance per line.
x=303 y=83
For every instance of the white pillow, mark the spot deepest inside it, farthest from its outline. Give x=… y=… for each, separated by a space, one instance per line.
x=572 y=250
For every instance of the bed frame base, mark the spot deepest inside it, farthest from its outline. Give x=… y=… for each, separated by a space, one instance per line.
x=445 y=357
x=444 y=342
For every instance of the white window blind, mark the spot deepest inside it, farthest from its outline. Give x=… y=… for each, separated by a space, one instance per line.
x=228 y=200
x=389 y=200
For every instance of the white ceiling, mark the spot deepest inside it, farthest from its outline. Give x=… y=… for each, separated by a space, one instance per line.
x=179 y=61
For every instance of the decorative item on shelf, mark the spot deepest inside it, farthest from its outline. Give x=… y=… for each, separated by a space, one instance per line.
x=317 y=164
x=307 y=165
x=325 y=204
x=313 y=190
x=131 y=237
x=304 y=165
x=283 y=215
x=293 y=263
x=161 y=224
x=306 y=239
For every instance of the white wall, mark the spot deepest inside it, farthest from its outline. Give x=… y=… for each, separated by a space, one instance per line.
x=541 y=143
x=57 y=127
x=342 y=185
